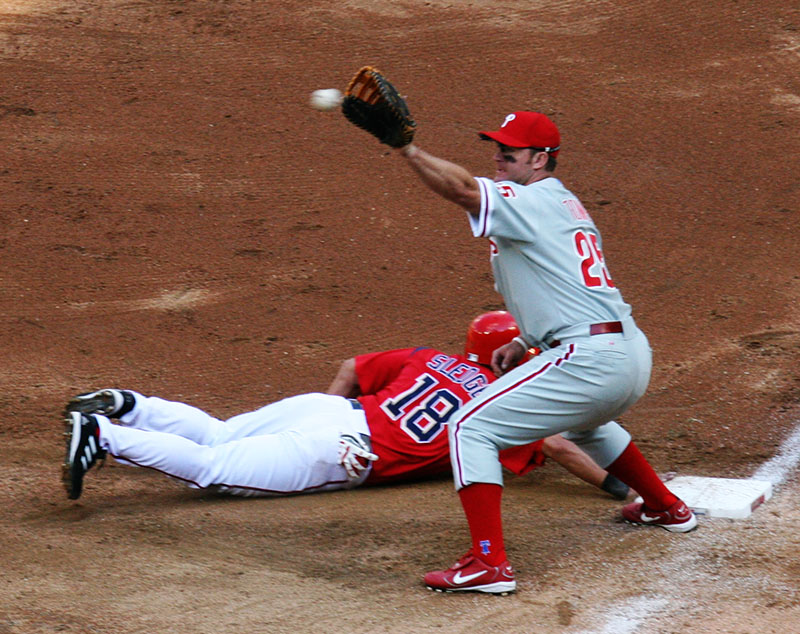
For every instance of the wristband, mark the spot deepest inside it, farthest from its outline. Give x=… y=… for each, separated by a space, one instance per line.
x=616 y=487
x=521 y=342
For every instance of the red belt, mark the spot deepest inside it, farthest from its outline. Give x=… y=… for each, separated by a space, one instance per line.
x=603 y=328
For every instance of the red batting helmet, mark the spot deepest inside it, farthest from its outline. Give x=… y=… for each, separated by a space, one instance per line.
x=487 y=332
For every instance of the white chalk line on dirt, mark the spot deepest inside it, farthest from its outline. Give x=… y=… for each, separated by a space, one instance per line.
x=777 y=468
x=628 y=616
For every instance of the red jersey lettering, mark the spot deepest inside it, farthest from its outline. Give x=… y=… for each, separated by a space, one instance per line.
x=409 y=395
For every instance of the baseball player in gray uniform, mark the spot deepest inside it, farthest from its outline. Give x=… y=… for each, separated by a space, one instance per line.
x=548 y=263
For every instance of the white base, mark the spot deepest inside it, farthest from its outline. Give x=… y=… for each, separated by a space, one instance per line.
x=721 y=497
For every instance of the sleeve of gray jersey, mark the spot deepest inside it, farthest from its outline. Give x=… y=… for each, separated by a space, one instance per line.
x=507 y=211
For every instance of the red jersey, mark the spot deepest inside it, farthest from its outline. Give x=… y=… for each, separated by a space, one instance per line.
x=409 y=395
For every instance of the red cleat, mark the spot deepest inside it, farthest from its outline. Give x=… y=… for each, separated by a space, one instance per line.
x=678 y=518
x=470 y=574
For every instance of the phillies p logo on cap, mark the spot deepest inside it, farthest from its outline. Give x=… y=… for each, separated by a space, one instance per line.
x=508 y=119
x=527 y=129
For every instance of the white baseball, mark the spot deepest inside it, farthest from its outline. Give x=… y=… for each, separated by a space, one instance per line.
x=326 y=99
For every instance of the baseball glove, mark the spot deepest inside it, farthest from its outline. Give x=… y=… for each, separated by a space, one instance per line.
x=372 y=103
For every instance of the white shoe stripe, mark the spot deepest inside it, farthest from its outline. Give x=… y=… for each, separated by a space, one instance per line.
x=460 y=579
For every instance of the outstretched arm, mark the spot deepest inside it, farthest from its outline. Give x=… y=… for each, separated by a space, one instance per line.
x=578 y=463
x=345 y=383
x=447 y=179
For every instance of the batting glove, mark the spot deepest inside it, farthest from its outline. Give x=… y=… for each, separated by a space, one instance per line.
x=355 y=454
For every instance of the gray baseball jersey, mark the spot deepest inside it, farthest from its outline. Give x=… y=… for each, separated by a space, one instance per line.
x=547 y=258
x=548 y=264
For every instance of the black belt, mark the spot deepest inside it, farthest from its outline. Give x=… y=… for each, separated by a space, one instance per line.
x=365 y=438
x=603 y=328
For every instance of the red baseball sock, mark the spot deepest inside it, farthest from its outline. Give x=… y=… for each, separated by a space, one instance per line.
x=481 y=502
x=632 y=468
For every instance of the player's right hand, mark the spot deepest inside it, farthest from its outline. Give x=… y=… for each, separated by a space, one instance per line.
x=507 y=357
x=355 y=454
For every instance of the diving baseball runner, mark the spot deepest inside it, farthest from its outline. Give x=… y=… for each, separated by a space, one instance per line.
x=394 y=430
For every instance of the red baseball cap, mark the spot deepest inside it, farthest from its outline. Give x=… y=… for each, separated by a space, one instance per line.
x=527 y=129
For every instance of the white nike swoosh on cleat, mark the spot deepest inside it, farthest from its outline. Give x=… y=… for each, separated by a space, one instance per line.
x=646 y=518
x=683 y=513
x=459 y=578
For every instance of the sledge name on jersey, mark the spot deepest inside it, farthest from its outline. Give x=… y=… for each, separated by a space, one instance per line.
x=423 y=410
x=466 y=375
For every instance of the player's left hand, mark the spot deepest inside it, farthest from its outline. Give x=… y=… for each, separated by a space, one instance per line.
x=355 y=454
x=371 y=102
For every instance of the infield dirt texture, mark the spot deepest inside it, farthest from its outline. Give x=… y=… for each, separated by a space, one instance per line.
x=175 y=219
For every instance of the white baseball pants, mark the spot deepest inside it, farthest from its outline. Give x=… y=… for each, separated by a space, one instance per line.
x=287 y=447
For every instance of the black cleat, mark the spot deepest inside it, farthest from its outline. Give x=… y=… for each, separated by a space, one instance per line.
x=83 y=451
x=109 y=402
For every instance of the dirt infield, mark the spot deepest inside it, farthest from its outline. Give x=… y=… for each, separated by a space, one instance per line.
x=176 y=220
